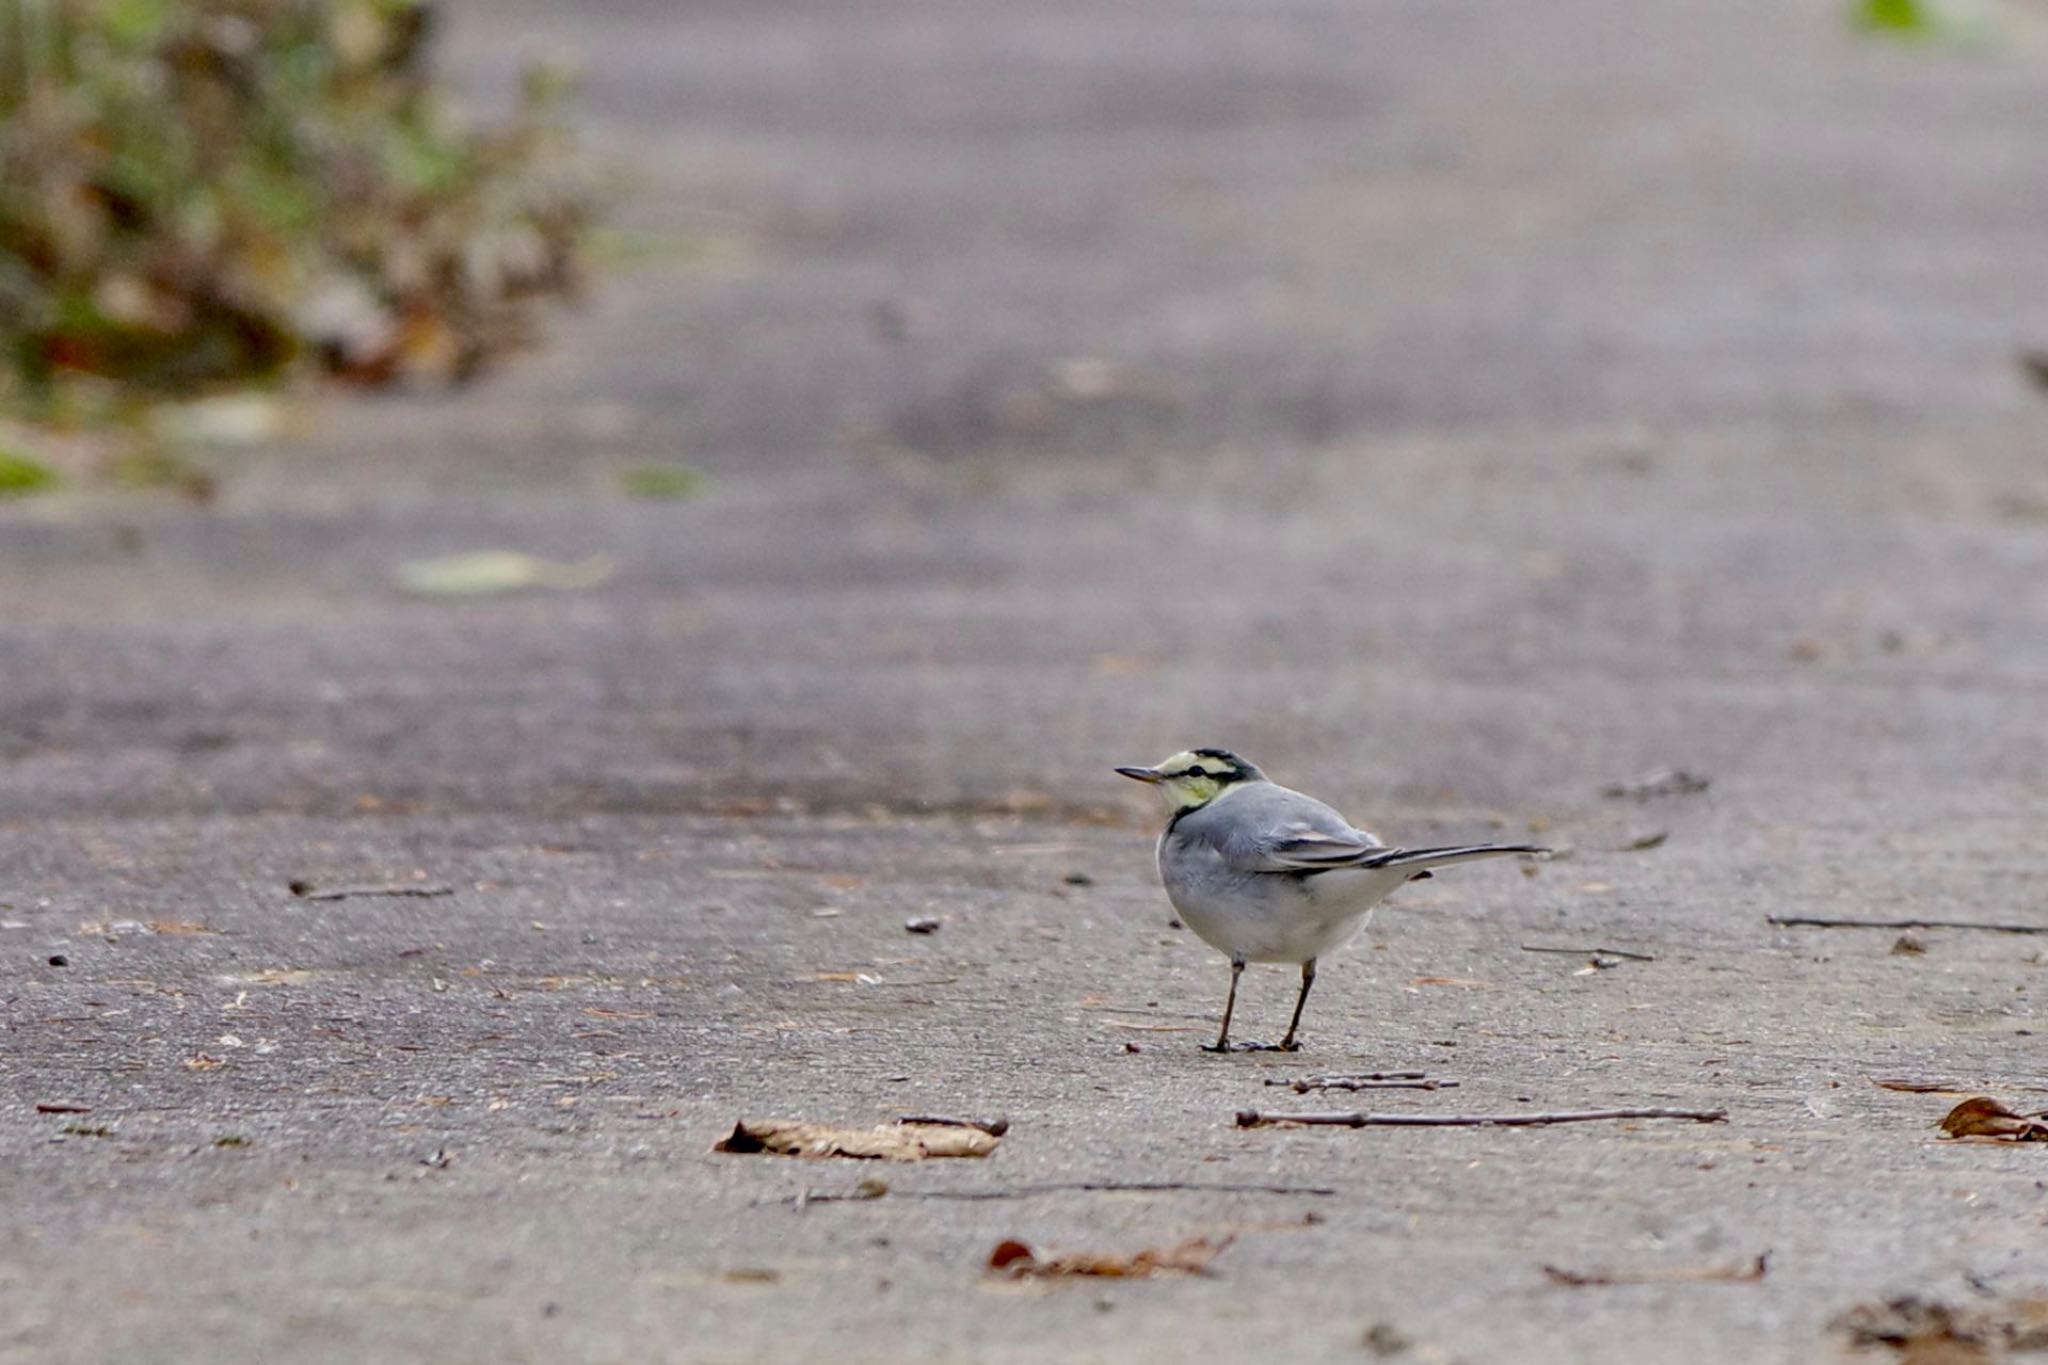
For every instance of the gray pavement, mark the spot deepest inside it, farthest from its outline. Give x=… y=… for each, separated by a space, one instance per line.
x=1456 y=407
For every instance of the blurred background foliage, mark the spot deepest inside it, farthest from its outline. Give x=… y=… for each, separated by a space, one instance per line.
x=200 y=194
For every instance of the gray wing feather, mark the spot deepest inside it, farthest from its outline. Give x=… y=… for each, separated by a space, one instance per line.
x=1272 y=829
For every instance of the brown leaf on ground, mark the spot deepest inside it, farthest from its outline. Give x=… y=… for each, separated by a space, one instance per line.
x=1752 y=1269
x=1928 y=1332
x=1980 y=1116
x=1191 y=1257
x=892 y=1142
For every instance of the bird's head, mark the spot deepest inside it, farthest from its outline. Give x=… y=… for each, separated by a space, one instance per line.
x=1188 y=781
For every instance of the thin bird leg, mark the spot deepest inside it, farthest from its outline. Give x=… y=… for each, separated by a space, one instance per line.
x=1229 y=1006
x=1308 y=978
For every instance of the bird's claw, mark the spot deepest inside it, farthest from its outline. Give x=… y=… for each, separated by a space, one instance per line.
x=1291 y=1045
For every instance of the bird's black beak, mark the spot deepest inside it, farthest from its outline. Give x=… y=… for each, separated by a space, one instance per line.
x=1141 y=774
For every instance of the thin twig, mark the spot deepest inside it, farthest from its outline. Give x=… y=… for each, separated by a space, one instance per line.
x=1252 y=1118
x=993 y=1127
x=342 y=893
x=1589 y=952
x=1069 y=1187
x=1740 y=1272
x=1917 y=1086
x=1813 y=922
x=1398 y=1080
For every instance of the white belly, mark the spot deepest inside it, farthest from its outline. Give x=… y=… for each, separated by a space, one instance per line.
x=1262 y=917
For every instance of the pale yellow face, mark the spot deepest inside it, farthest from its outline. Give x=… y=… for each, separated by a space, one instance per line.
x=1188 y=780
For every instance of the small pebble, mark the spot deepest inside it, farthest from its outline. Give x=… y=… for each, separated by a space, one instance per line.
x=923 y=924
x=59 y=960
x=1079 y=879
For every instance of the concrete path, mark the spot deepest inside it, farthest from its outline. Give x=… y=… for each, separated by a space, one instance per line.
x=1456 y=407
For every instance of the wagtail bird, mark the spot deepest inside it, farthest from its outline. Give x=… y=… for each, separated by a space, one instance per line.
x=1266 y=874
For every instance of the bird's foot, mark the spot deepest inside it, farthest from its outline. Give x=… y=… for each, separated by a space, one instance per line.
x=1248 y=1045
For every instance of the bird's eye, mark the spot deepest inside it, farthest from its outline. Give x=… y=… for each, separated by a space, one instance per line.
x=1198 y=772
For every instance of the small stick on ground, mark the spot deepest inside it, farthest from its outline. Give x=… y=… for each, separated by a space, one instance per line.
x=306 y=891
x=1915 y=1085
x=1252 y=1118
x=1074 y=1187
x=993 y=1127
x=1741 y=1271
x=1815 y=922
x=1395 y=1080
x=1588 y=952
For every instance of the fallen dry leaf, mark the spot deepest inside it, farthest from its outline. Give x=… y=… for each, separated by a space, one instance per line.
x=1754 y=1268
x=1191 y=1257
x=484 y=572
x=1929 y=1332
x=1980 y=1116
x=893 y=1142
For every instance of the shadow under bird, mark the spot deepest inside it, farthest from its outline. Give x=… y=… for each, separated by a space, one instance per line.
x=1267 y=874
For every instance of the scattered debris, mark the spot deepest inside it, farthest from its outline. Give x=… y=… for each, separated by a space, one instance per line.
x=439 y=1159
x=1078 y=879
x=1916 y=1086
x=1252 y=1118
x=1191 y=1257
x=61 y=1107
x=1980 y=1116
x=307 y=891
x=1822 y=922
x=1908 y=945
x=875 y=1189
x=1384 y=1339
x=203 y=1062
x=751 y=1275
x=1662 y=782
x=1370 y=1080
x=899 y=1142
x=922 y=924
x=485 y=572
x=1746 y=1271
x=59 y=960
x=231 y=1140
x=662 y=482
x=1643 y=843
x=1929 y=1332
x=994 y=1127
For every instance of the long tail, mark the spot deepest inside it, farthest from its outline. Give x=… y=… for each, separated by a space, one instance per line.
x=1426 y=858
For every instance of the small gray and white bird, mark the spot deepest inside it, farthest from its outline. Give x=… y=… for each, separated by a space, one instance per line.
x=1267 y=874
